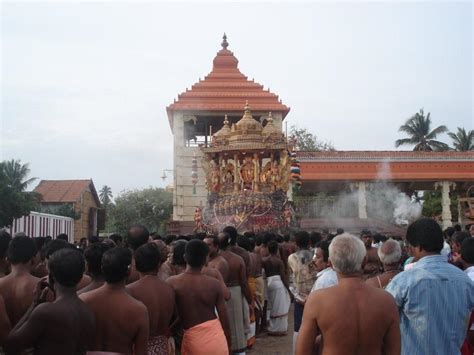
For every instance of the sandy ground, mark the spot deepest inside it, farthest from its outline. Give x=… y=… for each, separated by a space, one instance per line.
x=272 y=345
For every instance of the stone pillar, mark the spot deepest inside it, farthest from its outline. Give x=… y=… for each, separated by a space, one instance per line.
x=362 y=198
x=445 y=202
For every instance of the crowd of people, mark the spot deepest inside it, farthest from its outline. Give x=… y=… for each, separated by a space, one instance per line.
x=215 y=294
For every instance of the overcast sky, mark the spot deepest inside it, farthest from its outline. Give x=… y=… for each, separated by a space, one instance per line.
x=85 y=85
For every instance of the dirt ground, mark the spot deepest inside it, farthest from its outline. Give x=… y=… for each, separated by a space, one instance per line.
x=272 y=345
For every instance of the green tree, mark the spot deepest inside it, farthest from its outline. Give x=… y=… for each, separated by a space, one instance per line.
x=15 y=202
x=463 y=140
x=105 y=195
x=418 y=128
x=432 y=205
x=151 y=207
x=305 y=141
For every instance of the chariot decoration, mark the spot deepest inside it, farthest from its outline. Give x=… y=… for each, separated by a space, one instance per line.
x=248 y=173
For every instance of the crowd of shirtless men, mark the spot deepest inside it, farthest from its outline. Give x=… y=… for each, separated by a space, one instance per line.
x=216 y=294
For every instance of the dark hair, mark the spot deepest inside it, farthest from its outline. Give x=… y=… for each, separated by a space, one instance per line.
x=178 y=252
x=40 y=243
x=366 y=232
x=249 y=234
x=147 y=258
x=62 y=236
x=378 y=238
x=314 y=238
x=21 y=250
x=117 y=238
x=243 y=242
x=93 y=255
x=200 y=236
x=232 y=232
x=286 y=237
x=426 y=234
x=170 y=239
x=459 y=237
x=196 y=253
x=138 y=236
x=251 y=244
x=224 y=239
x=273 y=247
x=93 y=239
x=258 y=240
x=339 y=231
x=157 y=237
x=448 y=232
x=116 y=264
x=268 y=237
x=5 y=239
x=302 y=239
x=66 y=266
x=215 y=240
x=55 y=245
x=324 y=246
x=467 y=250
x=457 y=227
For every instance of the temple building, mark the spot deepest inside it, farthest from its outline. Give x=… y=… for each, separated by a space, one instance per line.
x=200 y=111
x=210 y=120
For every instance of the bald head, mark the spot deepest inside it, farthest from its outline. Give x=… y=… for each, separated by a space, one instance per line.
x=390 y=252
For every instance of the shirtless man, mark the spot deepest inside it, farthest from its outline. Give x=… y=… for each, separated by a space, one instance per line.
x=367 y=316
x=197 y=298
x=122 y=324
x=390 y=254
x=157 y=295
x=164 y=271
x=216 y=261
x=5 y=240
x=93 y=255
x=279 y=294
x=372 y=265
x=65 y=326
x=137 y=236
x=17 y=287
x=234 y=248
x=5 y=325
x=237 y=284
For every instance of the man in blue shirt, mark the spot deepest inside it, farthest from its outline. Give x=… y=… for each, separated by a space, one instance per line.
x=434 y=298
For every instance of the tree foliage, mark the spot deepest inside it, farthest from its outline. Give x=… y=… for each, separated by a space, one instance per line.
x=63 y=209
x=432 y=205
x=151 y=207
x=105 y=195
x=420 y=134
x=15 y=202
x=305 y=141
x=463 y=140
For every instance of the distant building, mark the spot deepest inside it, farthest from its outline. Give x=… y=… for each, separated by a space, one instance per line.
x=81 y=195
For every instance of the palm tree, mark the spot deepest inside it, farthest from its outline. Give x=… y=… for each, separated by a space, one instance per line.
x=105 y=195
x=462 y=140
x=418 y=127
x=16 y=174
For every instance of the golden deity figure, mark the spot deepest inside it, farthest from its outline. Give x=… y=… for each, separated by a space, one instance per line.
x=199 y=226
x=247 y=173
x=274 y=175
x=215 y=177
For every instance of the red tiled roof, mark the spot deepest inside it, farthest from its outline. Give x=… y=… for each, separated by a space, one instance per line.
x=65 y=190
x=390 y=155
x=226 y=89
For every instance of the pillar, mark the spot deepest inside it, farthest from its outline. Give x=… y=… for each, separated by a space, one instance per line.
x=445 y=202
x=362 y=199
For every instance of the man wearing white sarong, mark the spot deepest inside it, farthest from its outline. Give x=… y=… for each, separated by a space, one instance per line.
x=278 y=292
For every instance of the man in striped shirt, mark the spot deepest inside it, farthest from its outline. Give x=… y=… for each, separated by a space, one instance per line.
x=434 y=298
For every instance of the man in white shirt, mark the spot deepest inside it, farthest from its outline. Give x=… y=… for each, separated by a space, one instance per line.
x=326 y=276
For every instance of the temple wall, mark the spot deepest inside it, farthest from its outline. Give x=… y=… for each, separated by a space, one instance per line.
x=184 y=201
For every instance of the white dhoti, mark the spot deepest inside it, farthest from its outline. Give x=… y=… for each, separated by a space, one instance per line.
x=279 y=303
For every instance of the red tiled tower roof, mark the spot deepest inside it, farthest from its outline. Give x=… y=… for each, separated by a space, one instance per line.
x=226 y=89
x=57 y=191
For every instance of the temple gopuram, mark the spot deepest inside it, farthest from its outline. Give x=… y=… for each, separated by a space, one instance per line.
x=233 y=166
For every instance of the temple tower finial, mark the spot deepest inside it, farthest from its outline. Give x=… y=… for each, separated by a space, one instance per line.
x=224 y=43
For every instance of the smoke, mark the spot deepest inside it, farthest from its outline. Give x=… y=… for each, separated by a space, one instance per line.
x=384 y=201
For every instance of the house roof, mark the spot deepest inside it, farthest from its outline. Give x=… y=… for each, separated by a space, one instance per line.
x=226 y=89
x=65 y=190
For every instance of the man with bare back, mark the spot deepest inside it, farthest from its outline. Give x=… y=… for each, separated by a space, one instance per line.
x=365 y=315
x=17 y=288
x=65 y=326
x=237 y=284
x=122 y=324
x=5 y=325
x=216 y=261
x=157 y=295
x=93 y=255
x=197 y=298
